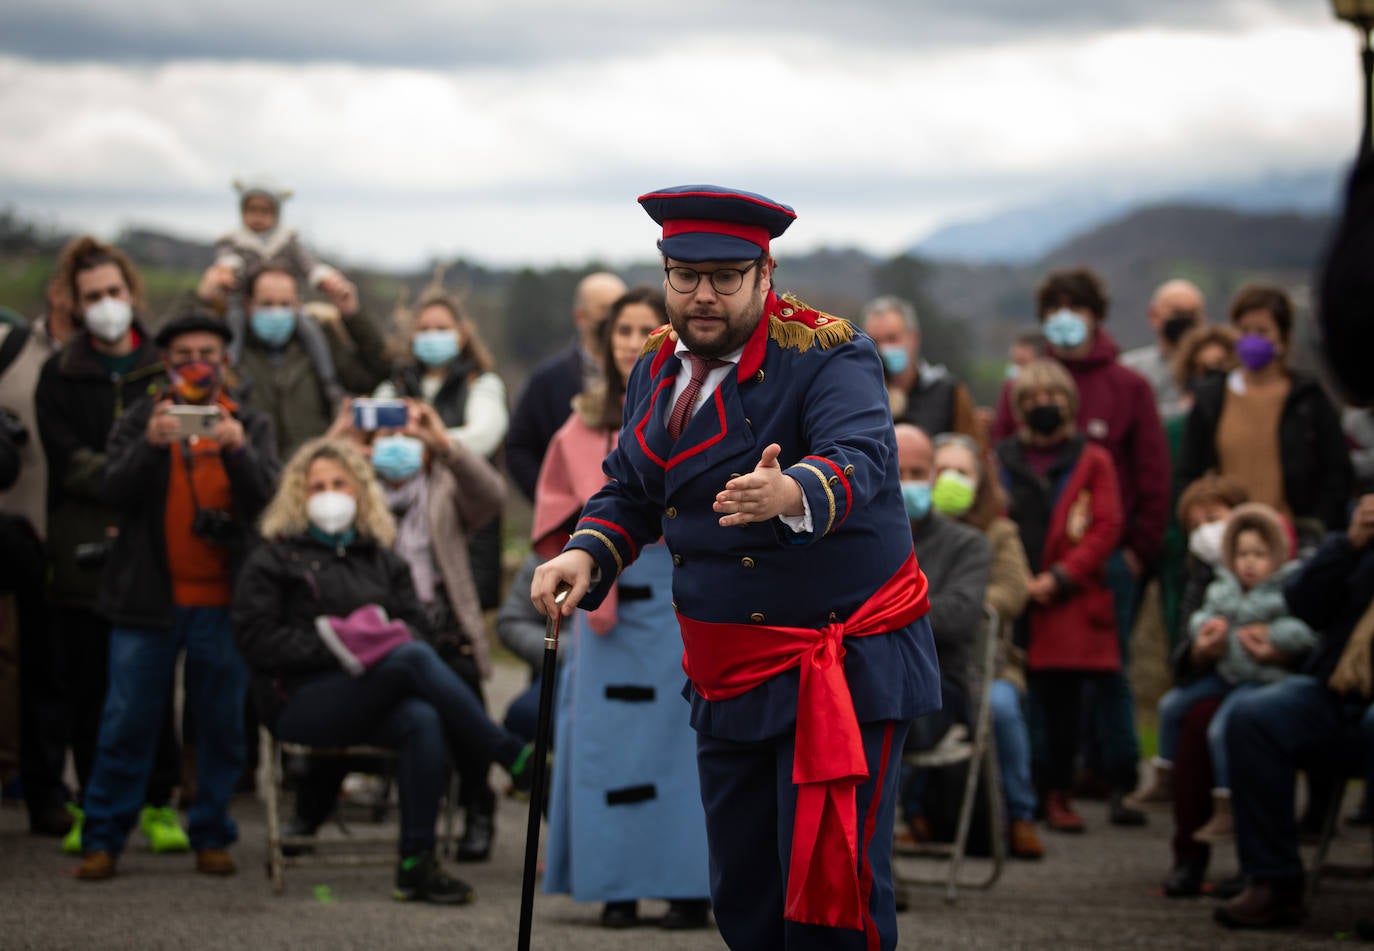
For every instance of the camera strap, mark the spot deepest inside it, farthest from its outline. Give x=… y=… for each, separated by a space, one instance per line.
x=184 y=448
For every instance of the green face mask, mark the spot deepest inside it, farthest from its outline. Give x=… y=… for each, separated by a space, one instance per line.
x=953 y=493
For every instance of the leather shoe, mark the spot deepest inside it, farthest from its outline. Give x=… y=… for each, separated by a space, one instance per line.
x=478 y=833
x=215 y=862
x=96 y=867
x=1263 y=905
x=1025 y=841
x=686 y=914
x=620 y=914
x=1228 y=888
x=1185 y=880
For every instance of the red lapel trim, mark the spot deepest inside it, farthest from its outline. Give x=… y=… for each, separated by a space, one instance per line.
x=757 y=347
x=644 y=421
x=703 y=446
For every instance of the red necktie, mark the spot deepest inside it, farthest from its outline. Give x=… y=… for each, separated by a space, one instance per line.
x=682 y=409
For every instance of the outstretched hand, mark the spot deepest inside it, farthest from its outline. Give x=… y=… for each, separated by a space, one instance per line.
x=762 y=494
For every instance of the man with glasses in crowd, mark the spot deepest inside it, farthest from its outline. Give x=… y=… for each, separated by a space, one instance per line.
x=801 y=606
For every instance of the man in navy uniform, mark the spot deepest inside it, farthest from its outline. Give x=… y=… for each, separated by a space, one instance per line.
x=801 y=606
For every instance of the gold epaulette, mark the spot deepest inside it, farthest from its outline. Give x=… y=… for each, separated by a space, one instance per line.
x=655 y=340
x=799 y=327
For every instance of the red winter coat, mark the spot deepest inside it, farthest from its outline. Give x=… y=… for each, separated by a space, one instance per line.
x=1116 y=410
x=1077 y=513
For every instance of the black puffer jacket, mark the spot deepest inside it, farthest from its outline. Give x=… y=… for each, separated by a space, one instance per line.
x=287 y=584
x=135 y=586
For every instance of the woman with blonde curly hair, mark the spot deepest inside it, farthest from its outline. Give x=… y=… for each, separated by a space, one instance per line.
x=327 y=619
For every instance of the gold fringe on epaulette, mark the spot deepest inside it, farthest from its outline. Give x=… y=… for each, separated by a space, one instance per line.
x=800 y=337
x=655 y=341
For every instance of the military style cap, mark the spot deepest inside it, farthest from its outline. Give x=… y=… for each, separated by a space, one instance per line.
x=192 y=321
x=711 y=223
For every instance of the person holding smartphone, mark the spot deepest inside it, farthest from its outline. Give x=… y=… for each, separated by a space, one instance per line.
x=188 y=504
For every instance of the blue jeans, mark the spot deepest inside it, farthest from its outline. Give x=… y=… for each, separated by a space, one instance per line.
x=1273 y=732
x=522 y=716
x=141 y=668
x=321 y=714
x=1013 y=750
x=1109 y=705
x=1176 y=703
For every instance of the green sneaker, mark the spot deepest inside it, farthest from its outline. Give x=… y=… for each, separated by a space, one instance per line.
x=162 y=830
x=71 y=842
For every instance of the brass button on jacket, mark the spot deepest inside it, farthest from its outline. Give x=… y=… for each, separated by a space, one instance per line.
x=747 y=562
x=677 y=560
x=756 y=617
x=670 y=511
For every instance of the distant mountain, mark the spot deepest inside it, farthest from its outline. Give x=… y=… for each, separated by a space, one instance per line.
x=1025 y=234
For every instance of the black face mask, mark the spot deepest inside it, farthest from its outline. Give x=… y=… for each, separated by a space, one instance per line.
x=1176 y=325
x=1045 y=419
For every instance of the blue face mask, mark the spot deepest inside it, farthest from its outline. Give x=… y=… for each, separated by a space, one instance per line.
x=1065 y=329
x=916 y=499
x=397 y=458
x=895 y=357
x=273 y=325
x=435 y=348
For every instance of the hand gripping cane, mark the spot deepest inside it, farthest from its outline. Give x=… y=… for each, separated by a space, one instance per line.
x=541 y=752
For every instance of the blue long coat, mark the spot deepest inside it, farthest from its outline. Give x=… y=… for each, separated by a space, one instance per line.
x=625 y=817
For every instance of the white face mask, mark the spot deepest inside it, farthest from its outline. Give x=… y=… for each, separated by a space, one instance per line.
x=1205 y=542
x=109 y=318
x=331 y=512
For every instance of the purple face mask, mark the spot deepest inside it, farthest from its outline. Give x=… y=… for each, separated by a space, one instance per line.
x=1256 y=351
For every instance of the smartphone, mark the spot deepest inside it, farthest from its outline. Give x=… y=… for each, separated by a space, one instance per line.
x=369 y=414
x=194 y=420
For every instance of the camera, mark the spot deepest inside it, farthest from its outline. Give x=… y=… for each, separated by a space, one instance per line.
x=214 y=526
x=12 y=428
x=91 y=556
x=193 y=420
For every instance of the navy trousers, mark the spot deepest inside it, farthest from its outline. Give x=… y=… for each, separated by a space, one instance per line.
x=750 y=804
x=1274 y=731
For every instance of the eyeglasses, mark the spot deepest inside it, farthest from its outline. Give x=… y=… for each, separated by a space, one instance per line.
x=726 y=280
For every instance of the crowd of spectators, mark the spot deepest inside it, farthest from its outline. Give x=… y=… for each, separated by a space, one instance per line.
x=232 y=485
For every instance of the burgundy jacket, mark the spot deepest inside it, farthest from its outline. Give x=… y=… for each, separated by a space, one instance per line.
x=1116 y=410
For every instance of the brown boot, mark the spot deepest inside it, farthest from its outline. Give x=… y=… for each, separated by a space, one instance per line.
x=215 y=862
x=1222 y=825
x=1160 y=788
x=1025 y=841
x=96 y=867
x=1059 y=814
x=1264 y=905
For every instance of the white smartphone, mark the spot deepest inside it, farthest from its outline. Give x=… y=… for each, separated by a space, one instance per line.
x=194 y=420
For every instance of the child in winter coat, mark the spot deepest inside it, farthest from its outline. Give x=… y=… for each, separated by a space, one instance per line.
x=263 y=241
x=1064 y=500
x=1245 y=633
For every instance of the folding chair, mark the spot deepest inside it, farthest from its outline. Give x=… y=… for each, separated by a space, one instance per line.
x=981 y=755
x=1321 y=866
x=351 y=852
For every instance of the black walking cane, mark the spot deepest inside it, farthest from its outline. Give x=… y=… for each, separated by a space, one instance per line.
x=541 y=752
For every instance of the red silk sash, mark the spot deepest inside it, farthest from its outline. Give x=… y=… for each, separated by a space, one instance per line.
x=725 y=660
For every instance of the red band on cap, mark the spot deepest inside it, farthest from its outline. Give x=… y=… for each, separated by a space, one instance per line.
x=755 y=234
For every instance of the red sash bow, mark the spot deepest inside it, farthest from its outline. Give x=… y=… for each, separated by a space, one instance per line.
x=725 y=660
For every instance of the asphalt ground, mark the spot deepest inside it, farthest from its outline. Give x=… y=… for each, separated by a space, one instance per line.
x=1097 y=890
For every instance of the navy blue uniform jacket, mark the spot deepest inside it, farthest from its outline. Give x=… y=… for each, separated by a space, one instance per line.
x=814 y=385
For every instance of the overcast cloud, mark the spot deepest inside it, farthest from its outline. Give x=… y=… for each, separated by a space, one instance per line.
x=520 y=132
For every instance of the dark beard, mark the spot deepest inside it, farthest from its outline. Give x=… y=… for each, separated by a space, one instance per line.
x=736 y=335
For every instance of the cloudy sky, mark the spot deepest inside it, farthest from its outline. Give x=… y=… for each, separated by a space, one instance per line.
x=517 y=131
